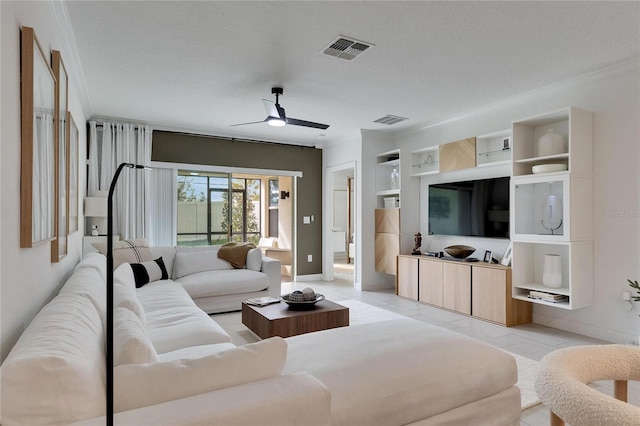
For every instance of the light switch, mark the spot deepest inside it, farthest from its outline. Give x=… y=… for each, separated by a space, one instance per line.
x=306 y=220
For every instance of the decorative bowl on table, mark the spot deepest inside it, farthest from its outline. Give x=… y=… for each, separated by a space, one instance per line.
x=459 y=251
x=298 y=303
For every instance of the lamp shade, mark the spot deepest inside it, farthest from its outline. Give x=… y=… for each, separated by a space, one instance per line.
x=95 y=206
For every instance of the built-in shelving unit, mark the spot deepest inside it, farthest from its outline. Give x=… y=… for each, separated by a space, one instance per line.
x=552 y=213
x=493 y=149
x=480 y=289
x=425 y=161
x=386 y=187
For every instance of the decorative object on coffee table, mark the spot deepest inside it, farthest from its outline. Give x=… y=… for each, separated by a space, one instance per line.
x=459 y=251
x=297 y=300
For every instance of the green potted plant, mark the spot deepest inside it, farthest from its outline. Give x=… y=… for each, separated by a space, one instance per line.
x=636 y=298
x=636 y=286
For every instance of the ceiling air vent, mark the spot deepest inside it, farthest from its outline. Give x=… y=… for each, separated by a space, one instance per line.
x=390 y=119
x=346 y=48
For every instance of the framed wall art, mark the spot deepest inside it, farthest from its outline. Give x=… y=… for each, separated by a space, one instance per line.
x=73 y=138
x=37 y=167
x=61 y=214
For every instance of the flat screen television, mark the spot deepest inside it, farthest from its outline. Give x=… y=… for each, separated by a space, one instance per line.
x=476 y=208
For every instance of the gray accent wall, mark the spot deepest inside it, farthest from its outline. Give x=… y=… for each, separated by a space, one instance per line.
x=207 y=150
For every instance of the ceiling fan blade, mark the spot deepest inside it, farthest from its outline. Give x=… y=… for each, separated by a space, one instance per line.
x=296 y=122
x=272 y=110
x=251 y=122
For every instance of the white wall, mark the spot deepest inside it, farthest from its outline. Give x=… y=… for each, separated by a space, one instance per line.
x=614 y=97
x=28 y=279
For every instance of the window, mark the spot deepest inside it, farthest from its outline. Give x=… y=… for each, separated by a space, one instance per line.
x=192 y=210
x=274 y=196
x=205 y=216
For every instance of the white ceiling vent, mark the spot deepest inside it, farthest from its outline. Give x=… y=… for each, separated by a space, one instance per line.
x=390 y=119
x=346 y=48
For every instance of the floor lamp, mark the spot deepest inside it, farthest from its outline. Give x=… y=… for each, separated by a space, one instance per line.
x=110 y=288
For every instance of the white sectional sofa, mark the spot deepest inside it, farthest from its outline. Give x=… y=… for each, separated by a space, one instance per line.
x=213 y=283
x=176 y=366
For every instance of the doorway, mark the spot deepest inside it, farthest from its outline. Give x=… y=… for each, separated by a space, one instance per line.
x=342 y=215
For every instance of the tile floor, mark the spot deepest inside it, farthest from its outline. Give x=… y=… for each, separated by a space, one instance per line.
x=532 y=340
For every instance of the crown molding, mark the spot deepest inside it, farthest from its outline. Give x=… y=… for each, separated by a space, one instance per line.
x=70 y=52
x=531 y=96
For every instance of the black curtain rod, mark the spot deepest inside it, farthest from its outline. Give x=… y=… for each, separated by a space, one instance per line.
x=226 y=138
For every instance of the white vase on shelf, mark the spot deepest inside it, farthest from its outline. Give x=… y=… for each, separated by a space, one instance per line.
x=395 y=179
x=552 y=273
x=551 y=143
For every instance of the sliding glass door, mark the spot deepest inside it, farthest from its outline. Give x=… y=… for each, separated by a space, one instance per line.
x=205 y=216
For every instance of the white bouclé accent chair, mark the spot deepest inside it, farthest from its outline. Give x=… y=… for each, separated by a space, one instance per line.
x=562 y=381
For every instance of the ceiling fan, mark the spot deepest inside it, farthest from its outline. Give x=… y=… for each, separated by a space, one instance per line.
x=277 y=117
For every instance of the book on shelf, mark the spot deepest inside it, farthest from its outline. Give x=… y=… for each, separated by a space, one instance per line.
x=262 y=301
x=548 y=297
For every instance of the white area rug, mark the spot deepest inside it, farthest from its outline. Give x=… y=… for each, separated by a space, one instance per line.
x=527 y=370
x=360 y=313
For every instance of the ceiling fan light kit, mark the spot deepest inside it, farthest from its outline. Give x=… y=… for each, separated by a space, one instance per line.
x=277 y=117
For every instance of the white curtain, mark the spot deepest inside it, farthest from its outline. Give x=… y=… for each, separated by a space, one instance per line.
x=110 y=145
x=163 y=207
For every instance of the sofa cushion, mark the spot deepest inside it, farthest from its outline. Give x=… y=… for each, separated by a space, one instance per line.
x=192 y=261
x=55 y=373
x=146 y=272
x=124 y=291
x=124 y=297
x=96 y=261
x=254 y=259
x=131 y=344
x=196 y=351
x=163 y=294
x=127 y=251
x=140 y=385
x=222 y=283
x=168 y=255
x=86 y=281
x=177 y=328
x=406 y=362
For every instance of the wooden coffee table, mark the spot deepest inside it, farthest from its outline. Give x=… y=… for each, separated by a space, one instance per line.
x=279 y=320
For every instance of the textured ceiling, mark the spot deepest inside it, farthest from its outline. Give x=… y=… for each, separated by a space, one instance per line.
x=202 y=66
